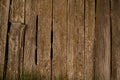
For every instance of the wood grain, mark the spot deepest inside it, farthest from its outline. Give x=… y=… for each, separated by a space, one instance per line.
x=75 y=43
x=14 y=51
x=102 y=42
x=59 y=61
x=17 y=9
x=115 y=23
x=30 y=40
x=4 y=14
x=44 y=10
x=89 y=39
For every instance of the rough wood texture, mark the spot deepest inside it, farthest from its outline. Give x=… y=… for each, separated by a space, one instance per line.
x=59 y=40
x=75 y=41
x=89 y=38
x=115 y=16
x=14 y=51
x=59 y=62
x=17 y=11
x=44 y=10
x=30 y=40
x=4 y=12
x=102 y=42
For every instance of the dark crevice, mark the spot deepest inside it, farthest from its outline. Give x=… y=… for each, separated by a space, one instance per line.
x=51 y=51
x=24 y=38
x=6 y=52
x=51 y=38
x=7 y=44
x=23 y=45
x=51 y=55
x=110 y=41
x=95 y=5
x=10 y=2
x=36 y=39
x=95 y=41
x=24 y=11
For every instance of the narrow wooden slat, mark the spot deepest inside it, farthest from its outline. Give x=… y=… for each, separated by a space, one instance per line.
x=75 y=43
x=30 y=40
x=17 y=15
x=4 y=12
x=59 y=62
x=14 y=51
x=115 y=10
x=44 y=10
x=70 y=39
x=102 y=42
x=89 y=38
x=17 y=11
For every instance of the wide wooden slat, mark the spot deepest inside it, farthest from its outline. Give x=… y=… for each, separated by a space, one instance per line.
x=4 y=12
x=75 y=41
x=115 y=17
x=17 y=9
x=30 y=40
x=44 y=10
x=59 y=62
x=102 y=42
x=89 y=39
x=14 y=51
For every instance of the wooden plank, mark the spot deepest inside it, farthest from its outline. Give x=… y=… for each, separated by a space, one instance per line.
x=89 y=39
x=4 y=12
x=75 y=42
x=102 y=42
x=44 y=10
x=17 y=11
x=115 y=10
x=30 y=41
x=59 y=62
x=14 y=51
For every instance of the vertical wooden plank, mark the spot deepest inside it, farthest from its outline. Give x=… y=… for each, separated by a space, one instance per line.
x=59 y=61
x=102 y=42
x=70 y=39
x=16 y=16
x=30 y=40
x=44 y=10
x=89 y=38
x=14 y=47
x=115 y=10
x=4 y=12
x=75 y=43
x=79 y=37
x=17 y=11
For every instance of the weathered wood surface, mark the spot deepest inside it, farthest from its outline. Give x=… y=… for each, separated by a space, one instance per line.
x=89 y=39
x=59 y=39
x=59 y=62
x=15 y=51
x=102 y=40
x=4 y=15
x=44 y=12
x=115 y=23
x=29 y=66
x=17 y=11
x=75 y=41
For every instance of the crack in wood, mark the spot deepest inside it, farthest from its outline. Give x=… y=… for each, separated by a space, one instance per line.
x=6 y=52
x=36 y=39
x=51 y=51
